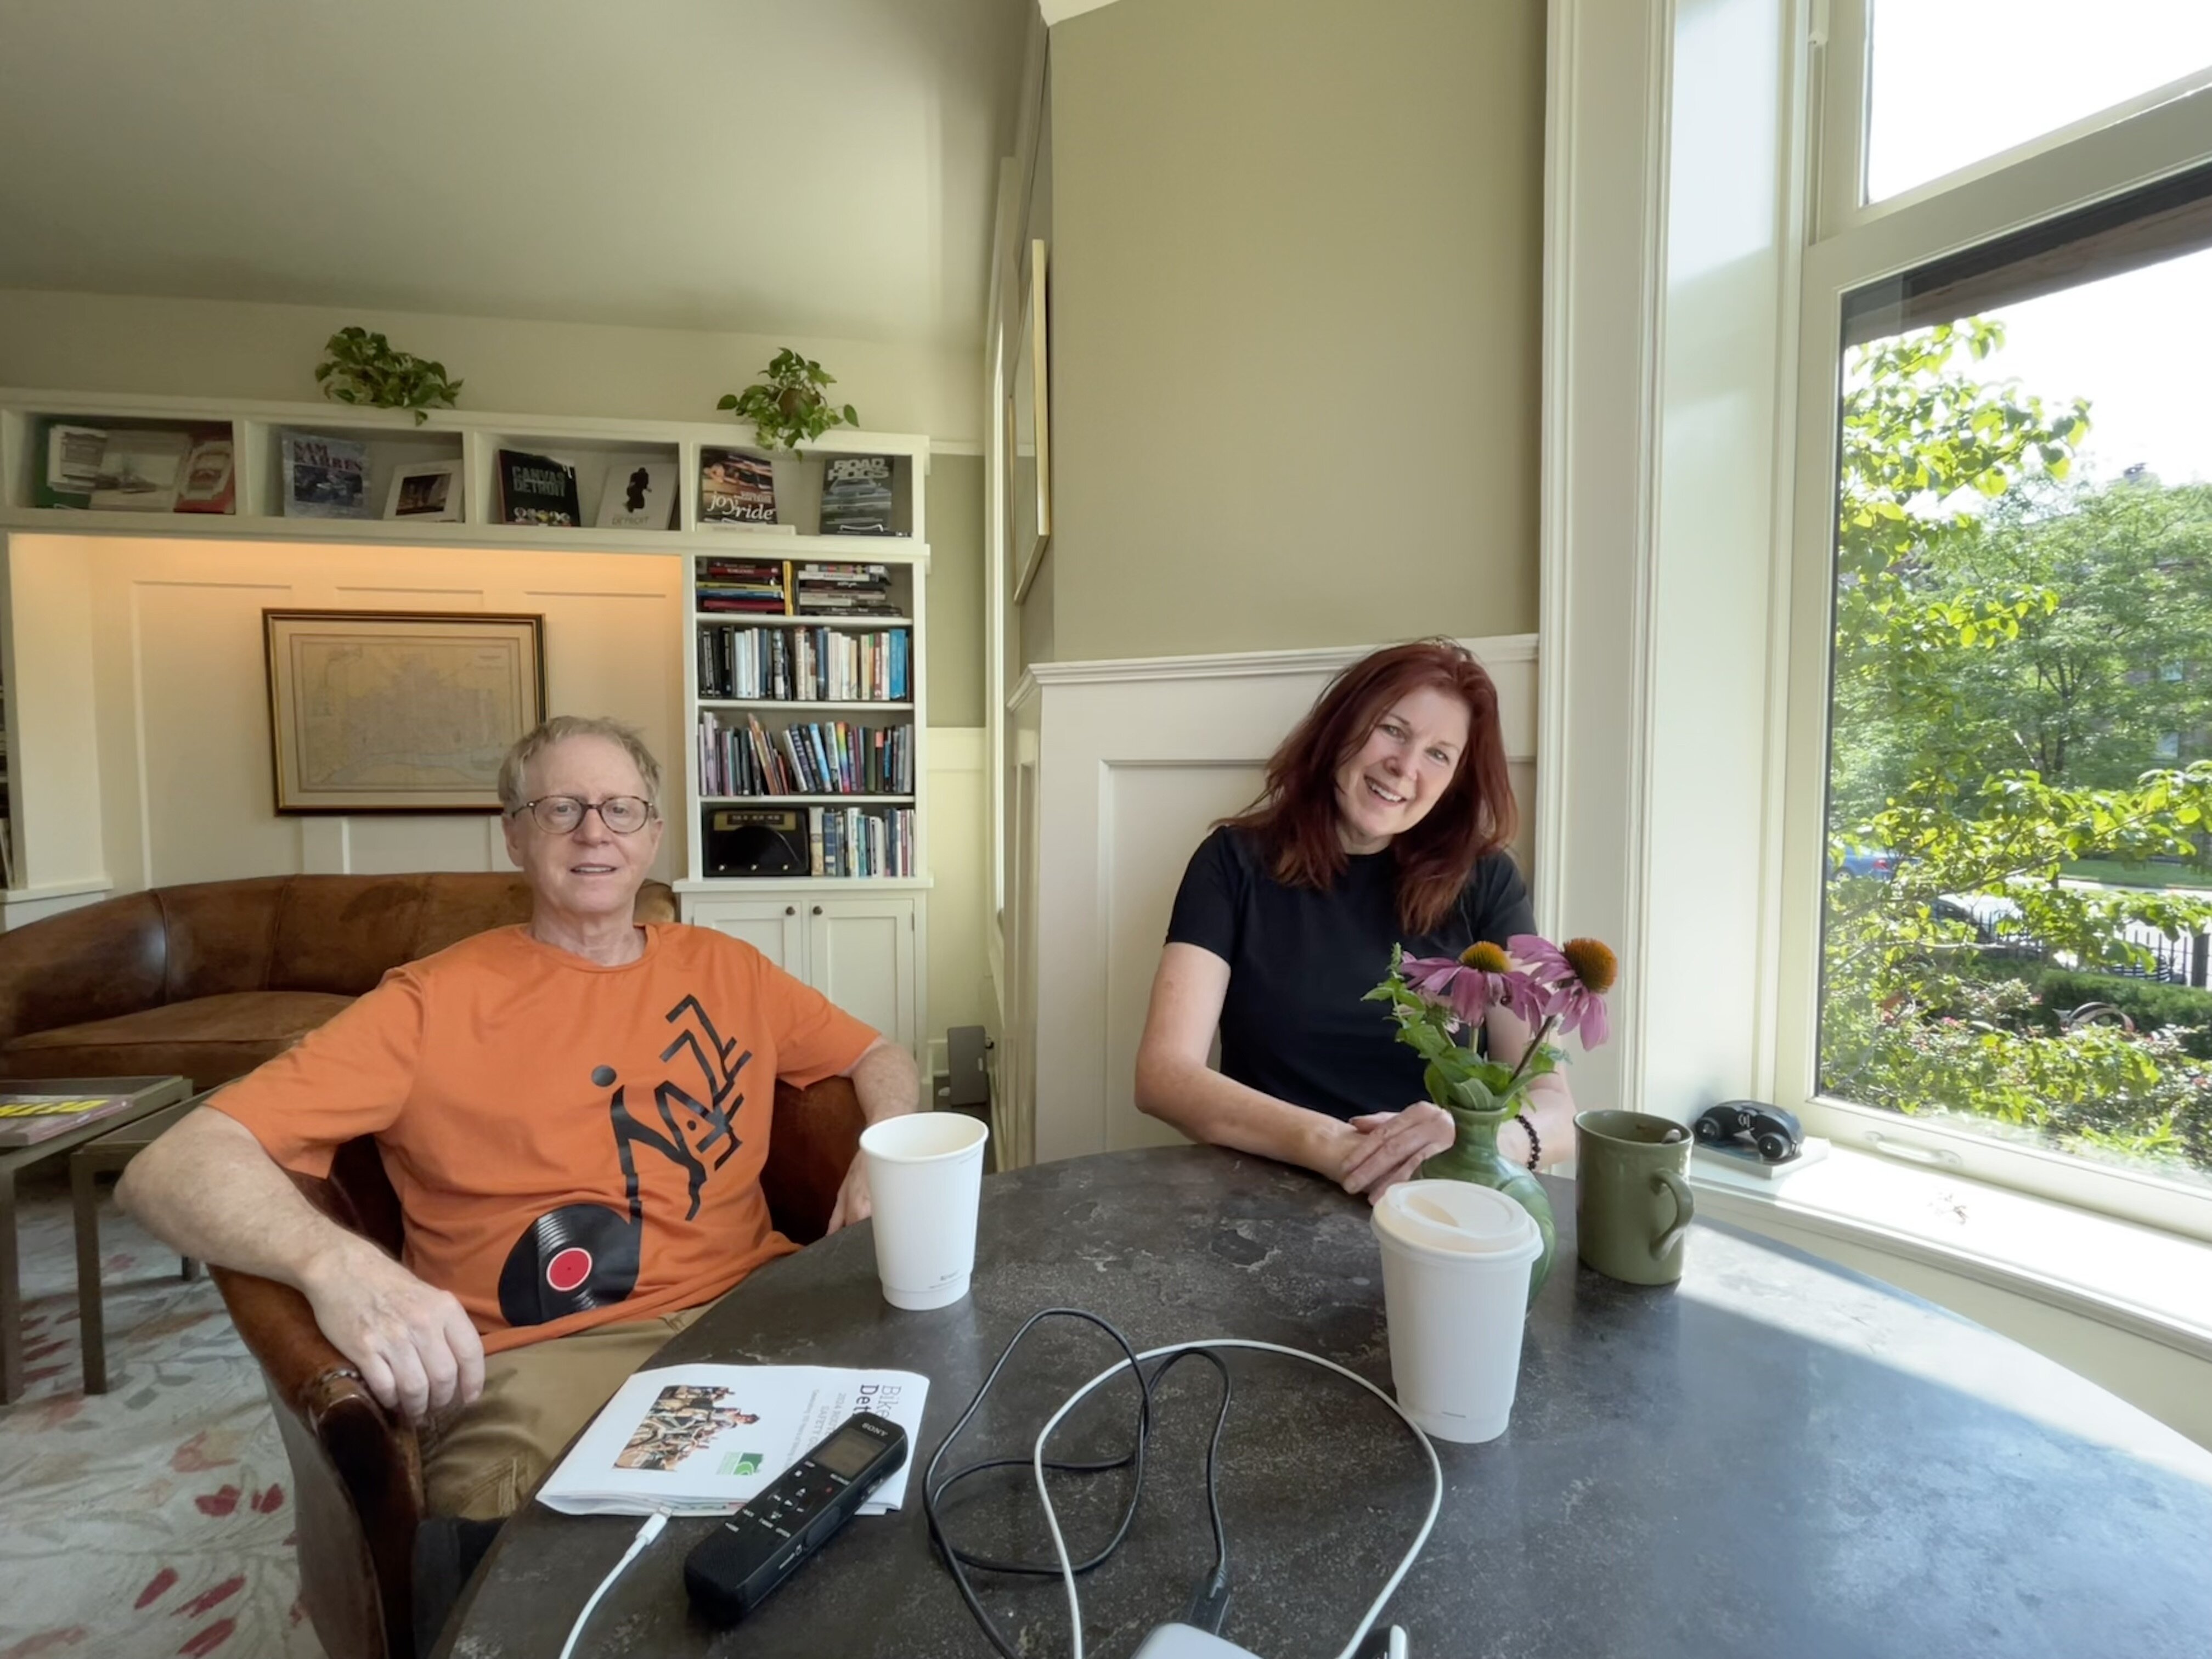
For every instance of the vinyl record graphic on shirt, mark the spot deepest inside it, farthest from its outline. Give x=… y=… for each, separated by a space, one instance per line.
x=577 y=1257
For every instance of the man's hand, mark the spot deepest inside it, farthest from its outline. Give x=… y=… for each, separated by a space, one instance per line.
x=1394 y=1146
x=853 y=1202
x=413 y=1345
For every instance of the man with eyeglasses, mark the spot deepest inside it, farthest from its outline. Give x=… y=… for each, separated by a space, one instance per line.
x=574 y=1113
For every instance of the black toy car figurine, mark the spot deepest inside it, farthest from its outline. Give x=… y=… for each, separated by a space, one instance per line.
x=1774 y=1133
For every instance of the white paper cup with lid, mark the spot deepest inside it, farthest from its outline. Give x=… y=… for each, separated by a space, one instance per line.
x=1455 y=1264
x=926 y=1178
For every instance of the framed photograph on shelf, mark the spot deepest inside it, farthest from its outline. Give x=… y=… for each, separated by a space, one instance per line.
x=1029 y=459
x=398 y=711
x=428 y=492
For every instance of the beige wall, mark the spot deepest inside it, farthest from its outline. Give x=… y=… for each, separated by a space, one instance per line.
x=952 y=663
x=224 y=349
x=1294 y=314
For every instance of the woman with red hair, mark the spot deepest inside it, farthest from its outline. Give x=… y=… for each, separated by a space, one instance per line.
x=1384 y=822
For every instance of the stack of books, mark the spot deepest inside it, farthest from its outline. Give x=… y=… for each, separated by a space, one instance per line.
x=806 y=664
x=754 y=586
x=814 y=757
x=844 y=590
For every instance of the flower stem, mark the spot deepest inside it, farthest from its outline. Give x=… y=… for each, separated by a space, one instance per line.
x=1529 y=1053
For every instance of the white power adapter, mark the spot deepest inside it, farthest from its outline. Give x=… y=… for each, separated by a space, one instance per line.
x=1187 y=1642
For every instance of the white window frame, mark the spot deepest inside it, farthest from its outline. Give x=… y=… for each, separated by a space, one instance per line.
x=2148 y=138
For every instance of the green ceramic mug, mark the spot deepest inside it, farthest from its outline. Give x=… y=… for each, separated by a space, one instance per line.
x=1632 y=1203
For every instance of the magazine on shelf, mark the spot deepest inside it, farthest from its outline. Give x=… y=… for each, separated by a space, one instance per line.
x=735 y=488
x=27 y=1119
x=705 y=1439
x=325 y=478
x=72 y=465
x=638 y=494
x=208 y=483
x=537 y=489
x=856 y=496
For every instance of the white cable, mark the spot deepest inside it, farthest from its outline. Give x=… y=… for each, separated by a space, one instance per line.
x=646 y=1534
x=1052 y=1520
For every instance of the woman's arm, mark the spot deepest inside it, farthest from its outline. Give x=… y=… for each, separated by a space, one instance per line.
x=1176 y=1084
x=1550 y=1103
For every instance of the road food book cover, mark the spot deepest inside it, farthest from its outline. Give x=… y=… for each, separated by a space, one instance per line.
x=705 y=1439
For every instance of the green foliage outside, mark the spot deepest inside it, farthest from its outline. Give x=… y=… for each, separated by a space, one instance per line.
x=2020 y=676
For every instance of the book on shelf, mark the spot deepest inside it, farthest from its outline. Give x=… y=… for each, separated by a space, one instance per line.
x=537 y=489
x=808 y=757
x=27 y=1119
x=856 y=496
x=208 y=483
x=638 y=494
x=761 y=586
x=803 y=665
x=735 y=488
x=857 y=840
x=850 y=589
x=325 y=478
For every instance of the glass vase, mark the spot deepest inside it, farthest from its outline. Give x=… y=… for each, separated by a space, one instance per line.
x=1475 y=1157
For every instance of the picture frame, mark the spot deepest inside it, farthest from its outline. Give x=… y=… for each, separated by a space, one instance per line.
x=349 y=691
x=428 y=492
x=1029 y=457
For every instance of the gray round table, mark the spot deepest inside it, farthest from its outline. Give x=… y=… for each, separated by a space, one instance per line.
x=1776 y=1457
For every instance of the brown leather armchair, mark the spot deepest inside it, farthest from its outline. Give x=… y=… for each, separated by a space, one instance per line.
x=357 y=1471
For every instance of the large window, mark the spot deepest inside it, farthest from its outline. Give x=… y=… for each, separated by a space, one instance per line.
x=2007 y=444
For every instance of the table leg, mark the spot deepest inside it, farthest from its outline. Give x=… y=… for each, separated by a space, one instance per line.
x=91 y=1313
x=11 y=1298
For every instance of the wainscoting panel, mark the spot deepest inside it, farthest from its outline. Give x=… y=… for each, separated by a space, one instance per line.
x=1134 y=761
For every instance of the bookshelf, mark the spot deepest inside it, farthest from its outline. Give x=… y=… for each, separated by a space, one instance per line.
x=861 y=938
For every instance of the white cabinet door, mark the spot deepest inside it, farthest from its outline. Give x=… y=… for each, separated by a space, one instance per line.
x=775 y=928
x=861 y=952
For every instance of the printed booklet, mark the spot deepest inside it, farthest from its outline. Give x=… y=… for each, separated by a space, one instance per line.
x=704 y=1439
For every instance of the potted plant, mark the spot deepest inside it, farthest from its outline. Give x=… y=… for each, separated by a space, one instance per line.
x=787 y=405
x=364 y=369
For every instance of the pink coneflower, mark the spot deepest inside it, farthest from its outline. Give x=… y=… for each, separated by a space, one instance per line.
x=1575 y=977
x=1471 y=984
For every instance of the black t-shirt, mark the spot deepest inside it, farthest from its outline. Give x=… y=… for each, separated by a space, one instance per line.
x=1292 y=1024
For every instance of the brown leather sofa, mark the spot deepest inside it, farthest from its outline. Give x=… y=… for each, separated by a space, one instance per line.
x=207 y=981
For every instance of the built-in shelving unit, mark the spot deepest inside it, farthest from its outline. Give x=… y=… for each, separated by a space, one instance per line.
x=861 y=940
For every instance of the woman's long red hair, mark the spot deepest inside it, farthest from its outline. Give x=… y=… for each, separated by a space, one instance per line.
x=1295 y=821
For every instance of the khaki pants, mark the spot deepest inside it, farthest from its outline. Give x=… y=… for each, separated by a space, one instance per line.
x=484 y=1461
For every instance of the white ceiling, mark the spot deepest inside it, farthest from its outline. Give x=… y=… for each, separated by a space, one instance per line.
x=803 y=167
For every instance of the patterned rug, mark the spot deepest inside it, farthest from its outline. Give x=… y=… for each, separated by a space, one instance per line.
x=156 y=1519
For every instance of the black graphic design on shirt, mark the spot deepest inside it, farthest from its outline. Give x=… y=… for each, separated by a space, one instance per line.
x=587 y=1255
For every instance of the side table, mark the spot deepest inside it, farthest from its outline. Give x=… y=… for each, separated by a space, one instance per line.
x=108 y=1152
x=152 y=1094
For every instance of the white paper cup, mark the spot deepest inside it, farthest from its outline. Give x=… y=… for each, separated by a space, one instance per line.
x=926 y=1176
x=1455 y=1265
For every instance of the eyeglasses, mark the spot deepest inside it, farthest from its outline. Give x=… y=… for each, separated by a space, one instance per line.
x=562 y=814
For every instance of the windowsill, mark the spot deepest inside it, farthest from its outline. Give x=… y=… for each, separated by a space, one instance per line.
x=2155 y=1284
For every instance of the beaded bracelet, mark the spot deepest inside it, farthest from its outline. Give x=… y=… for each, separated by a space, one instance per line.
x=1535 y=1145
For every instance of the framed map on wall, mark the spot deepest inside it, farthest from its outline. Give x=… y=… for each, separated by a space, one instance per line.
x=398 y=711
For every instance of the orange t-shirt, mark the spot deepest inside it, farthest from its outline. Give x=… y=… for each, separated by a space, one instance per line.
x=572 y=1145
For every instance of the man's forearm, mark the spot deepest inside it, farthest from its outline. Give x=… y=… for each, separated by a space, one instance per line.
x=208 y=1190
x=887 y=1083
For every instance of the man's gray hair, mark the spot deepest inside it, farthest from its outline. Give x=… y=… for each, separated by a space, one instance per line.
x=561 y=728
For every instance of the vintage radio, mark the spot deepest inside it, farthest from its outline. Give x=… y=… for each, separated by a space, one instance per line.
x=755 y=840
